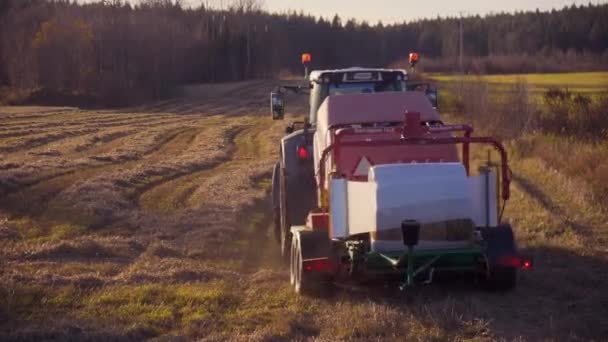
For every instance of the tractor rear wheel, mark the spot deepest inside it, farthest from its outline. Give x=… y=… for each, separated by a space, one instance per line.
x=276 y=220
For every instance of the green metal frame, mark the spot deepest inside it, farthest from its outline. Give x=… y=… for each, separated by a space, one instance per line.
x=414 y=261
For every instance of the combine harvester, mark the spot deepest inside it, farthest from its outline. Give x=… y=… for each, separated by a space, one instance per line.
x=373 y=186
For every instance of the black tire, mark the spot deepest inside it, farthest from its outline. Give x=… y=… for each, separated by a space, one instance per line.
x=276 y=219
x=296 y=269
x=304 y=283
x=292 y=264
x=500 y=244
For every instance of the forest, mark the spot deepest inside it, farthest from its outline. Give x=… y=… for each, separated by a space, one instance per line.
x=114 y=52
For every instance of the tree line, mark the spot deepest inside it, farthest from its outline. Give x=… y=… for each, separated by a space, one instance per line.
x=115 y=52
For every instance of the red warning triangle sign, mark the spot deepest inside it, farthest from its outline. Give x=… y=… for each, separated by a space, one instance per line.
x=362 y=168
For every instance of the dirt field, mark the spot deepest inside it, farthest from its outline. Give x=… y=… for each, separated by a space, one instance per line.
x=153 y=222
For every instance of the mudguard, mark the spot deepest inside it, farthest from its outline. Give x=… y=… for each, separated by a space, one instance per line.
x=500 y=244
x=300 y=180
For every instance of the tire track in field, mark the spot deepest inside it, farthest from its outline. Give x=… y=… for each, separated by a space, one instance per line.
x=39 y=113
x=250 y=99
x=168 y=195
x=74 y=148
x=156 y=107
x=215 y=103
x=178 y=193
x=81 y=118
x=41 y=188
x=49 y=131
x=45 y=140
x=68 y=138
x=77 y=119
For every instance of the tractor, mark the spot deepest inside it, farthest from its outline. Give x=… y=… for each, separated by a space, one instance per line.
x=373 y=185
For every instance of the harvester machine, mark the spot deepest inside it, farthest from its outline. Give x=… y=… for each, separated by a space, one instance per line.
x=375 y=186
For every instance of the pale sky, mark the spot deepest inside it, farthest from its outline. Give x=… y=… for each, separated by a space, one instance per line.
x=390 y=11
x=396 y=11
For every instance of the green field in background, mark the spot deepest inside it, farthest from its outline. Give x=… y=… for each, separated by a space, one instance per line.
x=581 y=81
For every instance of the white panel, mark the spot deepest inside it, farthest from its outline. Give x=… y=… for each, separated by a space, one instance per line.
x=338 y=205
x=426 y=192
x=423 y=201
x=362 y=207
x=477 y=186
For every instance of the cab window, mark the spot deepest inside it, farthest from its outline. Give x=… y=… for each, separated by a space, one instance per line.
x=321 y=90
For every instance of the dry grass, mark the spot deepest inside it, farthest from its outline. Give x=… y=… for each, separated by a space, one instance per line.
x=566 y=131
x=559 y=201
x=155 y=225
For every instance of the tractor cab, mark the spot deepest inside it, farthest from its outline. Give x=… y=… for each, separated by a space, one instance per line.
x=356 y=80
x=324 y=83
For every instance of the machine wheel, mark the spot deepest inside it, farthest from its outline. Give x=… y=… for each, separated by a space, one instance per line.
x=306 y=283
x=296 y=268
x=276 y=219
x=293 y=270
x=500 y=243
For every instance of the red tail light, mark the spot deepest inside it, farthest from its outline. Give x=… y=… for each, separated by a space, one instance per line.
x=318 y=265
x=522 y=262
x=302 y=152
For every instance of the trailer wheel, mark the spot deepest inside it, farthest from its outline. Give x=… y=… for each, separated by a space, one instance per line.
x=293 y=270
x=307 y=283
x=500 y=244
x=296 y=268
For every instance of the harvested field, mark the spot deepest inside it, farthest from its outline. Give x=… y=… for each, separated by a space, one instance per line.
x=154 y=222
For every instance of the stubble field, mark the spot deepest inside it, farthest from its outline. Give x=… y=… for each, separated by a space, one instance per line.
x=153 y=222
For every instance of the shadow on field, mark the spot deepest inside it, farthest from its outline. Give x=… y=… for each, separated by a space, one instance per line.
x=583 y=231
x=564 y=297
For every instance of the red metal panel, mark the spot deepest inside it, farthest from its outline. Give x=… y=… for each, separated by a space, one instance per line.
x=350 y=156
x=318 y=221
x=393 y=145
x=347 y=158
